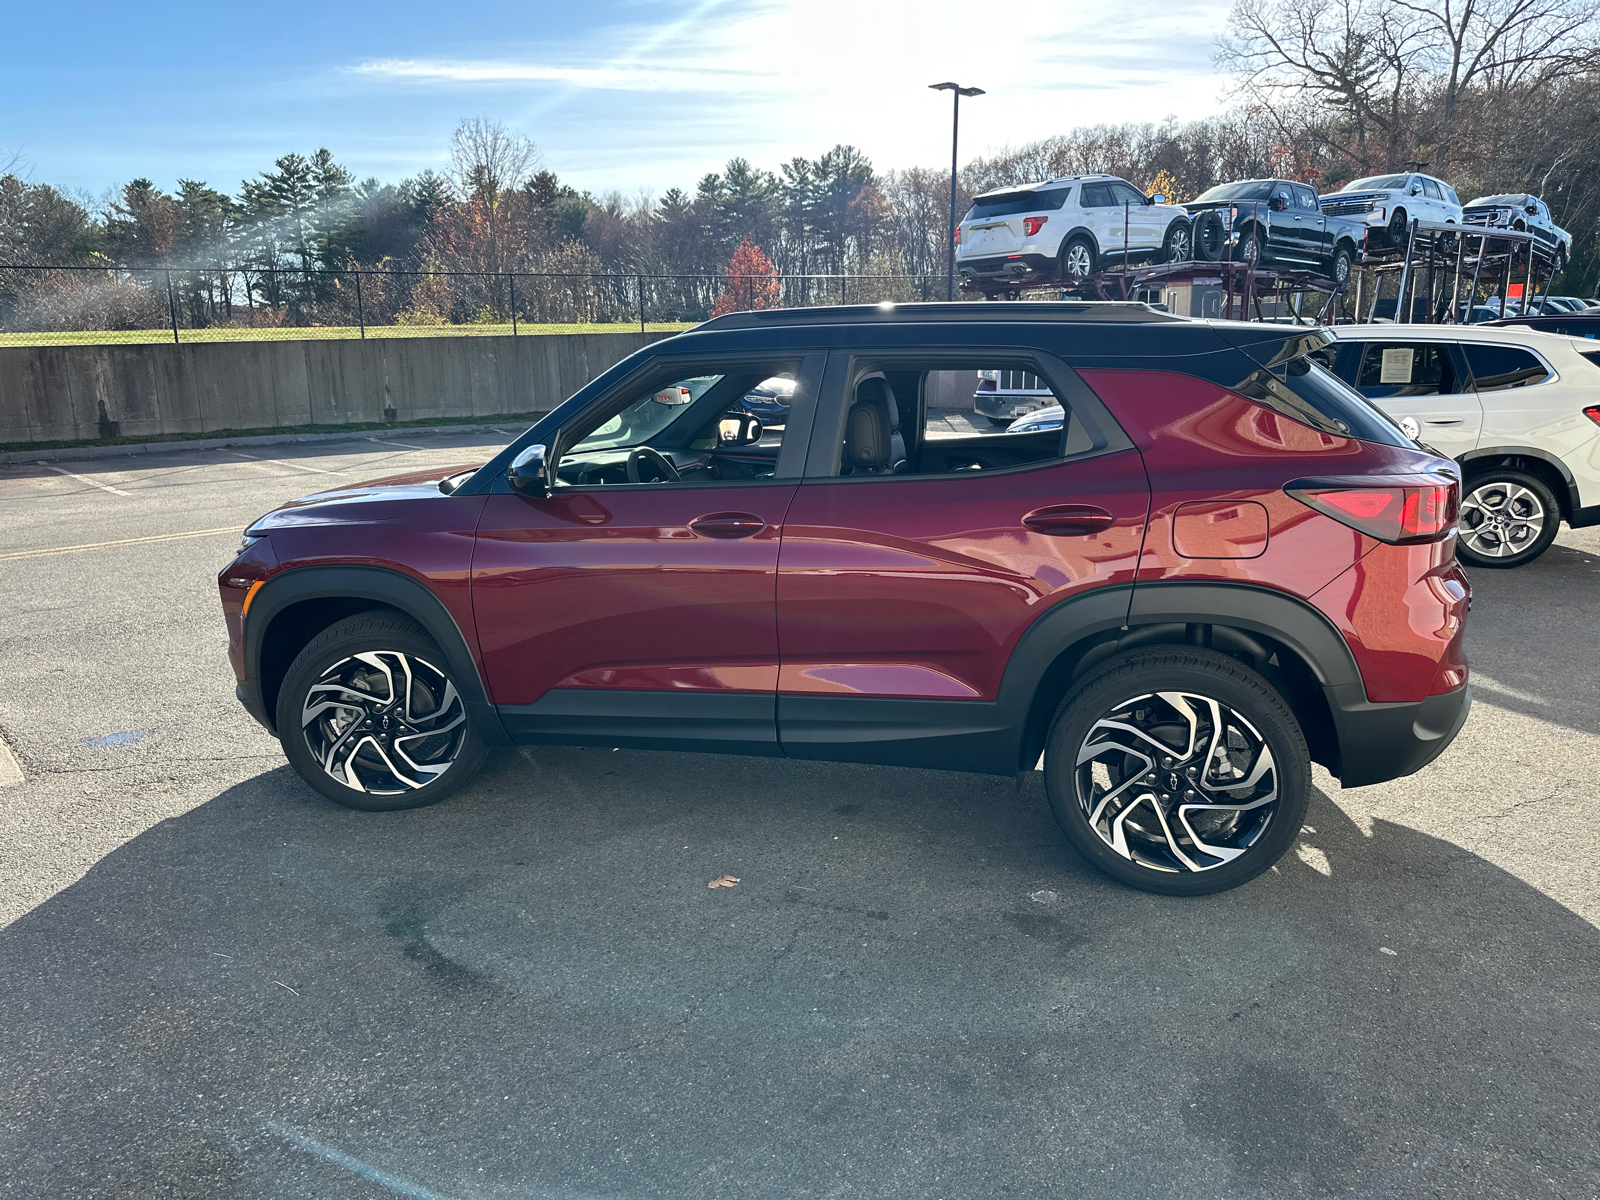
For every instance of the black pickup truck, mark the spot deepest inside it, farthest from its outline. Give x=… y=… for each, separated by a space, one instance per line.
x=1274 y=221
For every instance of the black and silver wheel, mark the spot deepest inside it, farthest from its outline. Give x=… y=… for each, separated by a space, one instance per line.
x=369 y=716
x=1179 y=771
x=1077 y=260
x=1179 y=245
x=1397 y=231
x=1508 y=518
x=1249 y=249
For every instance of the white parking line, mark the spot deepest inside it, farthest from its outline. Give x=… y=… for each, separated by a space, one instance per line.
x=402 y=445
x=278 y=462
x=104 y=487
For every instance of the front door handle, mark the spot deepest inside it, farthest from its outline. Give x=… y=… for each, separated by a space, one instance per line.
x=728 y=525
x=1069 y=520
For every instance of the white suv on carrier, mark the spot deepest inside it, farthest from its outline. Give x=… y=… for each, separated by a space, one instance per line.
x=1388 y=203
x=1520 y=411
x=1065 y=229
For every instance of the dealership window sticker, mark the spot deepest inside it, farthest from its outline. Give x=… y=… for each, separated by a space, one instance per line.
x=1397 y=365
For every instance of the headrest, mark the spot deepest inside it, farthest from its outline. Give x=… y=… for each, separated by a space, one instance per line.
x=875 y=389
x=866 y=435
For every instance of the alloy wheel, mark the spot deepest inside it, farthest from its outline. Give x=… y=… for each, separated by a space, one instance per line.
x=1180 y=245
x=1078 y=261
x=1501 y=519
x=383 y=722
x=1176 y=781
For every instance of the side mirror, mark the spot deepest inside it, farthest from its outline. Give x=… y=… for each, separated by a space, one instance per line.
x=738 y=429
x=1532 y=209
x=528 y=472
x=1278 y=203
x=1416 y=189
x=1158 y=198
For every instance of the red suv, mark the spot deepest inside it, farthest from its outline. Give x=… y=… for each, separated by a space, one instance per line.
x=1222 y=566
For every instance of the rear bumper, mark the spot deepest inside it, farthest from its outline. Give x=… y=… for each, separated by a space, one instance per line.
x=1009 y=404
x=1006 y=266
x=1379 y=742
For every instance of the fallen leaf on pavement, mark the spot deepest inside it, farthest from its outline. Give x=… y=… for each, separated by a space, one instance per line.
x=725 y=881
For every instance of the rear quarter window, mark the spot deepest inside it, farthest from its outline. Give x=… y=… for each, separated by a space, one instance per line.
x=1497 y=368
x=1307 y=392
x=1009 y=204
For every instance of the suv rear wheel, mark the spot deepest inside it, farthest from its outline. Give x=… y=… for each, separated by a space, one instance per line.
x=369 y=716
x=1508 y=518
x=1178 y=770
x=1077 y=259
x=1339 y=269
x=1179 y=245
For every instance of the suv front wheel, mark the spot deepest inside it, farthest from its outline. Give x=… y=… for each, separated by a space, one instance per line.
x=369 y=716
x=1178 y=770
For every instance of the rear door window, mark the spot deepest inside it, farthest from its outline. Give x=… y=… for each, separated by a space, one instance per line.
x=1405 y=369
x=1496 y=368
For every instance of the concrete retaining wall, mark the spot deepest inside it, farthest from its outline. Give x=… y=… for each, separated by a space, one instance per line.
x=69 y=393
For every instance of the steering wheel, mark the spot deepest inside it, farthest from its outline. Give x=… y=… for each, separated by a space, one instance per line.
x=641 y=453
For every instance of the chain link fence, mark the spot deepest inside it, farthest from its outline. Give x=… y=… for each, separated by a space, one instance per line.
x=52 y=305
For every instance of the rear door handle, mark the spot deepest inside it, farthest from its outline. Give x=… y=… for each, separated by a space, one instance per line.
x=1450 y=421
x=1069 y=520
x=728 y=525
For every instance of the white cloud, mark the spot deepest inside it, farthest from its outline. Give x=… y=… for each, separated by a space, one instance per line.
x=772 y=78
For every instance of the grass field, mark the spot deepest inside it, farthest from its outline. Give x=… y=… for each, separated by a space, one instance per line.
x=318 y=332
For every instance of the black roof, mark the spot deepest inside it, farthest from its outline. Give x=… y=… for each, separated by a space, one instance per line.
x=1085 y=311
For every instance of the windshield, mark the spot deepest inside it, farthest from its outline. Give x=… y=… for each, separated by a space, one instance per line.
x=646 y=417
x=1007 y=204
x=1375 y=181
x=1253 y=190
x=1512 y=201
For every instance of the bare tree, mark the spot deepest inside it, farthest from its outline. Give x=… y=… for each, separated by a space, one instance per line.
x=486 y=157
x=1396 y=75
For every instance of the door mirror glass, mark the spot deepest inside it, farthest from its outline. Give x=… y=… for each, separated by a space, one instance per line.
x=1158 y=198
x=738 y=429
x=1416 y=189
x=527 y=473
x=1278 y=203
x=1533 y=208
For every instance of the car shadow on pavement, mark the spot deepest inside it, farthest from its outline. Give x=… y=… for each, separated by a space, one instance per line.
x=1519 y=638
x=914 y=989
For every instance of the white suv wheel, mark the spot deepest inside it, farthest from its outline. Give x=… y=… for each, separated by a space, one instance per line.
x=1508 y=518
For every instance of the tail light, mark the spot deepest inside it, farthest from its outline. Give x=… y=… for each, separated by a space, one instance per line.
x=1031 y=225
x=958 y=235
x=1593 y=411
x=1399 y=511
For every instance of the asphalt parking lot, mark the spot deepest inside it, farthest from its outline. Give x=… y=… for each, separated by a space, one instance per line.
x=218 y=984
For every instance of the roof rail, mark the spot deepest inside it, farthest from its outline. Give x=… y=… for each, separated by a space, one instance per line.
x=1086 y=311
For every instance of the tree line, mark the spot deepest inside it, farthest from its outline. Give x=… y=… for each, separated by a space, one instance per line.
x=1497 y=95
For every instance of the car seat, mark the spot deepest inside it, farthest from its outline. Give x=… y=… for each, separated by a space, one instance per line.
x=872 y=441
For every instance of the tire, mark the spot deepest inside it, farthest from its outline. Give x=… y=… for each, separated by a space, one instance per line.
x=1077 y=260
x=1133 y=842
x=1178 y=246
x=1249 y=248
x=1339 y=268
x=1558 y=264
x=1209 y=236
x=421 y=747
x=1508 y=518
x=1396 y=230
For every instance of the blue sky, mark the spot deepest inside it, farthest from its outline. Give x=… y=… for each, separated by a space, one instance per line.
x=618 y=94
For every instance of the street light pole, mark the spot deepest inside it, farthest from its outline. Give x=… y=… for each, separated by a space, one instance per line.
x=957 y=91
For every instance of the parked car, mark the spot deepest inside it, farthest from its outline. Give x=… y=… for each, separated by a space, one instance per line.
x=1051 y=417
x=1222 y=566
x=1520 y=411
x=1064 y=230
x=1276 y=221
x=1521 y=211
x=1477 y=314
x=1574 y=303
x=1545 y=305
x=770 y=399
x=1002 y=396
x=1567 y=324
x=1386 y=204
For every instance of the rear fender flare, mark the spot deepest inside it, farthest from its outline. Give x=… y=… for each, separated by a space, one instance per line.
x=1566 y=496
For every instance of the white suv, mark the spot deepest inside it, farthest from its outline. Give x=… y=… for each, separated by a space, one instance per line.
x=1065 y=229
x=1520 y=411
x=1387 y=203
